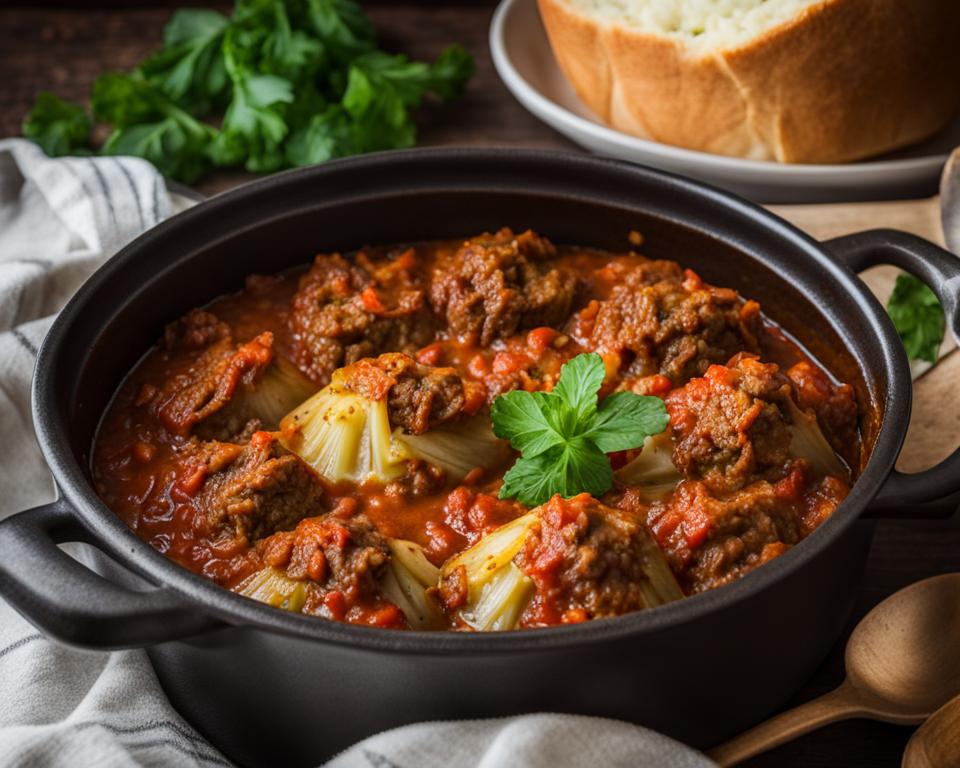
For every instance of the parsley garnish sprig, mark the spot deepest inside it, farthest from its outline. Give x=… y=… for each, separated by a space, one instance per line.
x=918 y=317
x=564 y=436
x=277 y=84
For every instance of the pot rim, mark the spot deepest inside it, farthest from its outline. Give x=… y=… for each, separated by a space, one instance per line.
x=124 y=545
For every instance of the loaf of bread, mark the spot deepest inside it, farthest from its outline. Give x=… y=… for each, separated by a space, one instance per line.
x=799 y=81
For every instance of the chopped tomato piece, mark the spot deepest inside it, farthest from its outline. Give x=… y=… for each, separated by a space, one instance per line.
x=371 y=301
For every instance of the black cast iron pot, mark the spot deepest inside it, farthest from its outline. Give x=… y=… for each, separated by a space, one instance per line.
x=261 y=683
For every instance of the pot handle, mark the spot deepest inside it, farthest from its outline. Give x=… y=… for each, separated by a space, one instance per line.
x=940 y=270
x=71 y=603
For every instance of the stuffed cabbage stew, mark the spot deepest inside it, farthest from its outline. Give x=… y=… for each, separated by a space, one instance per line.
x=484 y=434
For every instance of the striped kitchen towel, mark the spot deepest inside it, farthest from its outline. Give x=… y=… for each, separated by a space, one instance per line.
x=59 y=220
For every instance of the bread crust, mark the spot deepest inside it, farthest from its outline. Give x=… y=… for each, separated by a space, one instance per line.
x=840 y=81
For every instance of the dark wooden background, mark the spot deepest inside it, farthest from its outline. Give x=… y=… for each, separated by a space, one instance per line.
x=62 y=48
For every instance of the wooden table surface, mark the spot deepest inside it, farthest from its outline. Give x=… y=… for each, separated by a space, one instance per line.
x=48 y=47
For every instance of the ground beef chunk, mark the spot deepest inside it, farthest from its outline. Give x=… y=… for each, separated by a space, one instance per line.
x=195 y=396
x=419 y=397
x=587 y=561
x=420 y=479
x=198 y=329
x=496 y=285
x=340 y=558
x=728 y=425
x=835 y=406
x=199 y=399
x=345 y=310
x=661 y=319
x=711 y=541
x=249 y=491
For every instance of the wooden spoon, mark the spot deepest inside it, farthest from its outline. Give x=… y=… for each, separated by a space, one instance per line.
x=936 y=744
x=903 y=663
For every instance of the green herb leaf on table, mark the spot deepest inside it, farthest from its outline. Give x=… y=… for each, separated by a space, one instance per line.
x=343 y=27
x=60 y=128
x=148 y=124
x=190 y=66
x=918 y=317
x=564 y=437
x=280 y=83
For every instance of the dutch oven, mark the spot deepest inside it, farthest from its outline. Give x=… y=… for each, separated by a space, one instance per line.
x=262 y=683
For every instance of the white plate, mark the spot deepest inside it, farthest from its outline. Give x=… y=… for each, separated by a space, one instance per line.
x=523 y=59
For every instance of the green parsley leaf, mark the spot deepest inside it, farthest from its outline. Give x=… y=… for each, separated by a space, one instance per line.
x=60 y=128
x=563 y=437
x=380 y=117
x=575 y=467
x=624 y=421
x=325 y=136
x=190 y=66
x=254 y=125
x=411 y=79
x=918 y=317
x=343 y=27
x=529 y=421
x=148 y=124
x=271 y=44
x=278 y=83
x=579 y=383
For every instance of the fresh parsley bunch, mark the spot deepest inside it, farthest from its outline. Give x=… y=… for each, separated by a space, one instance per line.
x=280 y=83
x=564 y=436
x=918 y=317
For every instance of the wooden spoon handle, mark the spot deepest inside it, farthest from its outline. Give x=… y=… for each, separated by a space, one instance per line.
x=839 y=704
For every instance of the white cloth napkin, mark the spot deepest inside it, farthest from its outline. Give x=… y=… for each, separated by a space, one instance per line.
x=64 y=708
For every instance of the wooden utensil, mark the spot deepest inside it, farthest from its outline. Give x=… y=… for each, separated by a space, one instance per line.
x=936 y=744
x=903 y=663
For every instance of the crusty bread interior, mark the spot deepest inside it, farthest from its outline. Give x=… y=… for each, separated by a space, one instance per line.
x=698 y=24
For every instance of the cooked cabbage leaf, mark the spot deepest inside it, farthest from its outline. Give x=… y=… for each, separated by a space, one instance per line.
x=281 y=388
x=497 y=590
x=273 y=587
x=807 y=442
x=405 y=583
x=652 y=472
x=344 y=436
x=460 y=447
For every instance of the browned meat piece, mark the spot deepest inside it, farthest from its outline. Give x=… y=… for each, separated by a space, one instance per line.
x=498 y=284
x=346 y=310
x=728 y=426
x=589 y=561
x=250 y=491
x=340 y=558
x=835 y=406
x=711 y=541
x=197 y=399
x=198 y=329
x=418 y=396
x=420 y=479
x=664 y=320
